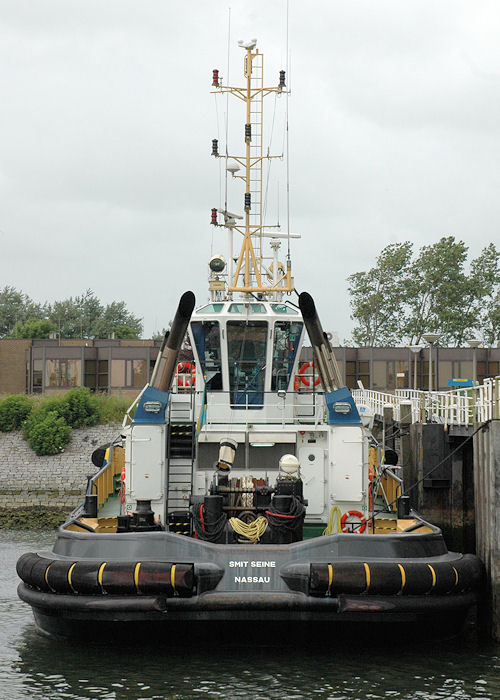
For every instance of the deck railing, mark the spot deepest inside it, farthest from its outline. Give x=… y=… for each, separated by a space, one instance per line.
x=454 y=407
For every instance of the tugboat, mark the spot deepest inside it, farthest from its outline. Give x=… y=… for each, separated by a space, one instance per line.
x=245 y=487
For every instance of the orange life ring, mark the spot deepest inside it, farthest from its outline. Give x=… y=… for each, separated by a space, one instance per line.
x=353 y=514
x=305 y=380
x=186 y=374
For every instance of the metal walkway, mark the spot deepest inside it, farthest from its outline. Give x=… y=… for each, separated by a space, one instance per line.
x=457 y=407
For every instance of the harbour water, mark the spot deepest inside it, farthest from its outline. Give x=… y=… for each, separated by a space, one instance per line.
x=35 y=667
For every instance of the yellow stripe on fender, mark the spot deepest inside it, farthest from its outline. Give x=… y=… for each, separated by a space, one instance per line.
x=368 y=577
x=330 y=576
x=70 y=571
x=47 y=573
x=100 y=572
x=403 y=577
x=136 y=574
x=172 y=576
x=433 y=576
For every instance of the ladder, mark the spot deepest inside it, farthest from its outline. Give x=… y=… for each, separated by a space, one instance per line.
x=256 y=120
x=180 y=458
x=181 y=432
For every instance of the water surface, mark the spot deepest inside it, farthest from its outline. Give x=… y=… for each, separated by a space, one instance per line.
x=34 y=667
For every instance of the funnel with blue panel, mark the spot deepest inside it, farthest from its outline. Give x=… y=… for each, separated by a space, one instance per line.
x=341 y=408
x=152 y=406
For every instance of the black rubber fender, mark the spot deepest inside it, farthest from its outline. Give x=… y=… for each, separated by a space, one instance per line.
x=392 y=578
x=117 y=577
x=39 y=574
x=58 y=576
x=84 y=578
x=383 y=578
x=31 y=568
x=470 y=573
x=97 y=578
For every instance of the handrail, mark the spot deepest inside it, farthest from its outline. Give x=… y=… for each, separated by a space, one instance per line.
x=455 y=407
x=103 y=480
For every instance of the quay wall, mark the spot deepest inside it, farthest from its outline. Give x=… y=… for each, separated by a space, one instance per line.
x=53 y=481
x=487 y=506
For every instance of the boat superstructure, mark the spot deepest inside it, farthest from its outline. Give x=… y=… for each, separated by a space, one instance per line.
x=244 y=485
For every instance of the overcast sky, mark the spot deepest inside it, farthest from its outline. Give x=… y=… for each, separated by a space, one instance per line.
x=106 y=179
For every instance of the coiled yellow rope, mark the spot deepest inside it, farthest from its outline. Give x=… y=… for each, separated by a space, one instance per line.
x=251 y=531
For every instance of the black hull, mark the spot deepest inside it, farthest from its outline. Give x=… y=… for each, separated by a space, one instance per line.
x=87 y=617
x=173 y=585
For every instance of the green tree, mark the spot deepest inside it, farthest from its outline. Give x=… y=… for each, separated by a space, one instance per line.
x=437 y=281
x=116 y=319
x=401 y=298
x=33 y=328
x=82 y=316
x=17 y=307
x=77 y=317
x=377 y=297
x=490 y=326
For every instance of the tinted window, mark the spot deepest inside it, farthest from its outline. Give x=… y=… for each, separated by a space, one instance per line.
x=285 y=345
x=246 y=347
x=207 y=340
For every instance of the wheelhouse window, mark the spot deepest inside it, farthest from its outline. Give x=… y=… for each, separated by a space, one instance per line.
x=211 y=309
x=244 y=308
x=246 y=348
x=283 y=309
x=207 y=340
x=285 y=346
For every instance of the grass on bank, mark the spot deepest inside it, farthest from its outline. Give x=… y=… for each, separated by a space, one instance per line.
x=47 y=421
x=35 y=518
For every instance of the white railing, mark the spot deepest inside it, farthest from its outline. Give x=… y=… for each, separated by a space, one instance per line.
x=455 y=407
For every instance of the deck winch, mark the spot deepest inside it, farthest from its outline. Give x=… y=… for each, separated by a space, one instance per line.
x=246 y=509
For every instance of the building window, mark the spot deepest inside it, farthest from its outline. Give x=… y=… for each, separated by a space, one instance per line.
x=37 y=376
x=350 y=375
x=135 y=373
x=96 y=375
x=62 y=373
x=401 y=372
x=118 y=373
x=379 y=374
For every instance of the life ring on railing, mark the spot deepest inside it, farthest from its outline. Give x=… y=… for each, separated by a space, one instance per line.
x=186 y=374
x=300 y=377
x=353 y=514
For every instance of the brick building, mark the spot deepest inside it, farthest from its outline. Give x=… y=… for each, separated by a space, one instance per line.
x=124 y=366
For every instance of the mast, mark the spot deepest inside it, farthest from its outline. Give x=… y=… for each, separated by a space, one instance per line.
x=254 y=271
